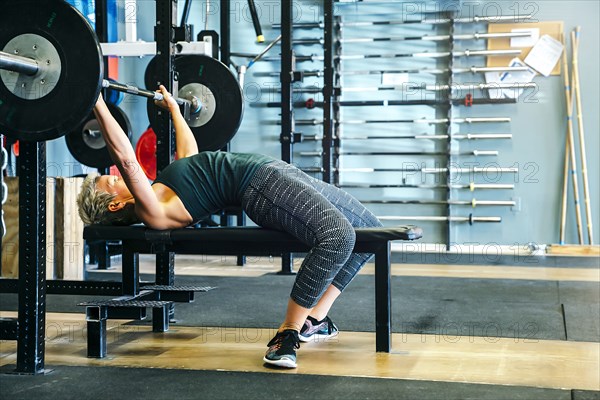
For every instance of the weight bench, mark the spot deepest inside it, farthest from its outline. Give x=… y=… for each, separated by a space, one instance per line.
x=251 y=241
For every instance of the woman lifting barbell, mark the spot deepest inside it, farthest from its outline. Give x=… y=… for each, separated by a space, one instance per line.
x=273 y=194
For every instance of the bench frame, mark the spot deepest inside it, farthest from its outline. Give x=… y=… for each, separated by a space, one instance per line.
x=249 y=241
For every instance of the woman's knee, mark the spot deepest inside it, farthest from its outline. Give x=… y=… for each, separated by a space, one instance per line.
x=339 y=239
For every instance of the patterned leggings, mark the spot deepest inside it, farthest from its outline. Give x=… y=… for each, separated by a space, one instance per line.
x=282 y=197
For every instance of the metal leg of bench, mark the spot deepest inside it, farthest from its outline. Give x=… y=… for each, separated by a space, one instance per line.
x=102 y=255
x=160 y=318
x=287 y=264
x=241 y=221
x=383 y=300
x=165 y=275
x=131 y=271
x=96 y=331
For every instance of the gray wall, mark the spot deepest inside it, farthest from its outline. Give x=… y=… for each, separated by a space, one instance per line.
x=538 y=121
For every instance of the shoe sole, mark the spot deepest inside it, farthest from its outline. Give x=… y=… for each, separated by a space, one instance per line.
x=285 y=363
x=316 y=338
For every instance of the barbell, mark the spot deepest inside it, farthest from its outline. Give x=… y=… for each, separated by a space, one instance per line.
x=51 y=74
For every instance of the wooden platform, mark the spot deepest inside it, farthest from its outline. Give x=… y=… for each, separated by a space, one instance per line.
x=470 y=359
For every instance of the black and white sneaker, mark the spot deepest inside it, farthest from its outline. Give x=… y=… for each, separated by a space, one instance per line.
x=282 y=349
x=314 y=330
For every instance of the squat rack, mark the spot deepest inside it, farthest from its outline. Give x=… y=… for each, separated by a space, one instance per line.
x=28 y=329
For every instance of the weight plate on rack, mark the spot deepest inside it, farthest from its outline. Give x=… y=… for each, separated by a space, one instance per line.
x=86 y=143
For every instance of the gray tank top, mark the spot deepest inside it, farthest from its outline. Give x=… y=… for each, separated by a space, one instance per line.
x=211 y=180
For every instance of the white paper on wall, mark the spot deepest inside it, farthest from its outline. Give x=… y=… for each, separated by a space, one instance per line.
x=544 y=55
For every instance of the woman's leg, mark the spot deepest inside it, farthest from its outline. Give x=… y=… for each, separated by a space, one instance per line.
x=280 y=197
x=359 y=217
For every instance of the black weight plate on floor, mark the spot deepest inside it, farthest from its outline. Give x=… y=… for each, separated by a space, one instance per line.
x=75 y=94
x=94 y=153
x=229 y=102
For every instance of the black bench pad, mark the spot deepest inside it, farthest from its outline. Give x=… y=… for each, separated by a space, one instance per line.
x=233 y=234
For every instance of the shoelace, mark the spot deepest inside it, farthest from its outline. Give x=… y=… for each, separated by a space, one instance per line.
x=281 y=338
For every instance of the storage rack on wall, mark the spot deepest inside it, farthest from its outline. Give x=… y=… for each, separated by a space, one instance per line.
x=415 y=119
x=445 y=120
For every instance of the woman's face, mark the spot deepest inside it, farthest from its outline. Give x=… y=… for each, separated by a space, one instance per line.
x=113 y=184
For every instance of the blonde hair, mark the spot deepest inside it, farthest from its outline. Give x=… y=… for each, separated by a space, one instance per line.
x=93 y=205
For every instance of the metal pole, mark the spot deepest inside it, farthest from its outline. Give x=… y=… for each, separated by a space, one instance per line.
x=328 y=91
x=22 y=65
x=32 y=258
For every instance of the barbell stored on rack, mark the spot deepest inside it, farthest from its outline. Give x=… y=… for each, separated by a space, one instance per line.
x=402 y=153
x=430 y=38
x=474 y=170
x=473 y=203
x=470 y=219
x=425 y=54
x=408 y=121
x=311 y=103
x=433 y=71
x=408 y=86
x=51 y=73
x=468 y=136
x=462 y=20
x=472 y=186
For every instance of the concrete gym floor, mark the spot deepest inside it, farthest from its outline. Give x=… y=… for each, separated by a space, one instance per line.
x=514 y=329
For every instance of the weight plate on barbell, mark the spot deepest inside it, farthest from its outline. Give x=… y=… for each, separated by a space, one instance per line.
x=81 y=70
x=39 y=85
x=86 y=143
x=219 y=88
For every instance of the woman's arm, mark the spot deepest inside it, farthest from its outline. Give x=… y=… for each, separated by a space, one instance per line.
x=147 y=207
x=184 y=138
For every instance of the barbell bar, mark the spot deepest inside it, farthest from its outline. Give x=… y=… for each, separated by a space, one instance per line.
x=31 y=67
x=193 y=101
x=15 y=63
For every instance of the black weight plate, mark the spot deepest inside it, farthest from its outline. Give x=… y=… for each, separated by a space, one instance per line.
x=94 y=153
x=75 y=94
x=229 y=102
